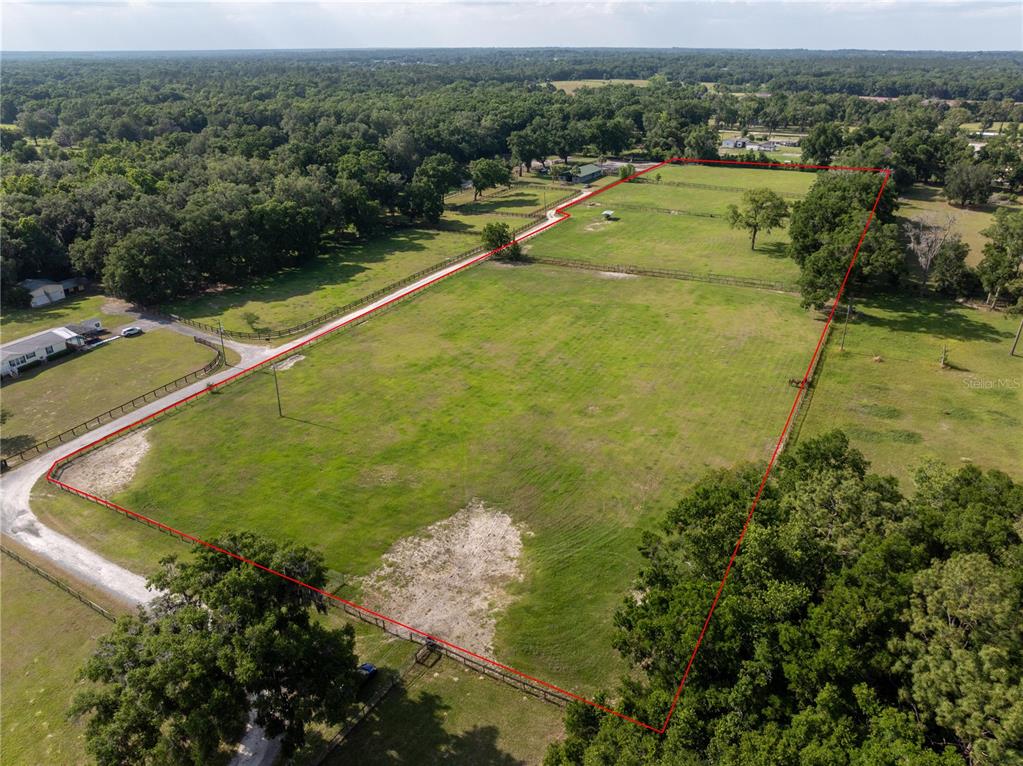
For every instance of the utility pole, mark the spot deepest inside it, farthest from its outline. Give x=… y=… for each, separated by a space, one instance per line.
x=277 y=388
x=223 y=352
x=1012 y=351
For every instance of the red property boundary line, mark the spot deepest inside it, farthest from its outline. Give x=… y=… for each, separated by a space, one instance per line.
x=52 y=478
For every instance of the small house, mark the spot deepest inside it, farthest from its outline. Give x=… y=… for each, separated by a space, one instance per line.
x=587 y=173
x=74 y=285
x=43 y=291
x=37 y=348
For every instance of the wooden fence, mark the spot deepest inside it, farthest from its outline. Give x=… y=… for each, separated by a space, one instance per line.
x=340 y=310
x=619 y=268
x=806 y=395
x=59 y=583
x=522 y=683
x=94 y=422
x=710 y=187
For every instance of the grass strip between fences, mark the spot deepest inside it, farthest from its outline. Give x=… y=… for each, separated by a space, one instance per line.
x=690 y=276
x=334 y=313
x=712 y=187
x=94 y=422
x=60 y=584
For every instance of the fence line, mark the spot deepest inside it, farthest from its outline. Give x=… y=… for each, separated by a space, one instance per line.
x=618 y=268
x=59 y=583
x=521 y=683
x=710 y=187
x=806 y=396
x=667 y=210
x=47 y=444
x=340 y=310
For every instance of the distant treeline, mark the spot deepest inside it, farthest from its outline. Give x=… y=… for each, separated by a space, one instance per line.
x=162 y=175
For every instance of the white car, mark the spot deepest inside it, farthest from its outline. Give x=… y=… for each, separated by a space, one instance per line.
x=131 y=332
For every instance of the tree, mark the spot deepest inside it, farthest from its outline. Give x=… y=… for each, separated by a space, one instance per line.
x=178 y=679
x=1000 y=269
x=497 y=235
x=822 y=143
x=968 y=183
x=854 y=629
x=951 y=274
x=146 y=266
x=762 y=210
x=964 y=652
x=486 y=174
x=926 y=237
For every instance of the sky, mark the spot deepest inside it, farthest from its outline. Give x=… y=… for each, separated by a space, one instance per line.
x=78 y=25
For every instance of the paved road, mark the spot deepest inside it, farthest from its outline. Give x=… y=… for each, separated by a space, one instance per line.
x=18 y=521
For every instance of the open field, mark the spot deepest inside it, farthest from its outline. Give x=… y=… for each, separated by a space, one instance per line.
x=925 y=201
x=18 y=323
x=522 y=198
x=648 y=234
x=571 y=86
x=577 y=405
x=58 y=395
x=46 y=636
x=903 y=407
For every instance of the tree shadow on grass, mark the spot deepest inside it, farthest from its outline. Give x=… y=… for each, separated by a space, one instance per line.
x=773 y=249
x=403 y=730
x=927 y=316
x=340 y=263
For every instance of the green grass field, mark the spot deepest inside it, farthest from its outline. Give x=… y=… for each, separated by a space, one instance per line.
x=646 y=237
x=928 y=202
x=904 y=408
x=522 y=198
x=579 y=405
x=18 y=323
x=46 y=636
x=60 y=394
x=571 y=86
x=334 y=279
x=447 y=714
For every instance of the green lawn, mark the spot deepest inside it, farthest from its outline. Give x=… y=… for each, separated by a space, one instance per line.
x=521 y=198
x=926 y=201
x=18 y=323
x=447 y=714
x=59 y=395
x=46 y=636
x=642 y=236
x=904 y=407
x=579 y=405
x=334 y=279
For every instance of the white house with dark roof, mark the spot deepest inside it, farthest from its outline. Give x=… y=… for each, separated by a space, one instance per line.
x=37 y=348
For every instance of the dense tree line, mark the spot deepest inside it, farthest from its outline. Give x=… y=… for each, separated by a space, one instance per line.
x=860 y=625
x=162 y=176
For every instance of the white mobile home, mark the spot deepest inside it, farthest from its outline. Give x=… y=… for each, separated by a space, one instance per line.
x=37 y=348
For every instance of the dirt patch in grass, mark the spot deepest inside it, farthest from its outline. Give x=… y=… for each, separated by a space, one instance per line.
x=616 y=275
x=450 y=581
x=287 y=364
x=109 y=469
x=116 y=306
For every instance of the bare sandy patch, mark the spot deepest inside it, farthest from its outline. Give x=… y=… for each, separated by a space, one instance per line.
x=451 y=580
x=287 y=364
x=597 y=225
x=616 y=275
x=116 y=306
x=109 y=469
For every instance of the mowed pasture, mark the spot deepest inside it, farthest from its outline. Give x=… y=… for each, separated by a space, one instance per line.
x=46 y=637
x=344 y=274
x=888 y=391
x=579 y=405
x=662 y=225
